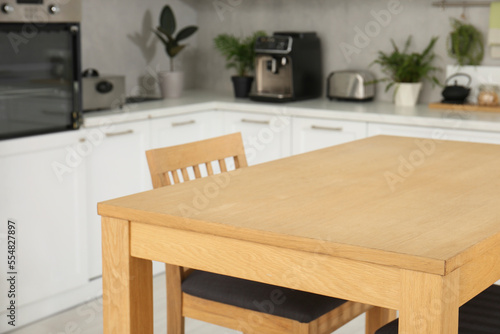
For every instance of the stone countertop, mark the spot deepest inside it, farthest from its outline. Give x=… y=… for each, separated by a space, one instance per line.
x=379 y=112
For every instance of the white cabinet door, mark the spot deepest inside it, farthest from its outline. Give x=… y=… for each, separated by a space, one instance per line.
x=433 y=133
x=375 y=129
x=117 y=167
x=176 y=130
x=42 y=188
x=311 y=134
x=266 y=137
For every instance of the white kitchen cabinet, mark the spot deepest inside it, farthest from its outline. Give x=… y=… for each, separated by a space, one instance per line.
x=42 y=188
x=117 y=167
x=311 y=134
x=433 y=133
x=266 y=137
x=182 y=129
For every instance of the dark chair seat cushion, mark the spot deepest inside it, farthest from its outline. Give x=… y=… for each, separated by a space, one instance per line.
x=292 y=304
x=480 y=315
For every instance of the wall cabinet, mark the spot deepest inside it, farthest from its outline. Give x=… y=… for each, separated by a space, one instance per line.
x=265 y=137
x=42 y=188
x=311 y=134
x=117 y=167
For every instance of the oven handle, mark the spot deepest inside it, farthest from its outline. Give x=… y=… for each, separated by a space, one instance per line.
x=76 y=115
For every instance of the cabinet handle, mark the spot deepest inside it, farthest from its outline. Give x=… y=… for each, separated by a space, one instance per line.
x=328 y=128
x=184 y=123
x=122 y=133
x=254 y=121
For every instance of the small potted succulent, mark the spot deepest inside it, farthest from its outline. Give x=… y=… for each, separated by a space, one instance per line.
x=240 y=55
x=171 y=82
x=406 y=71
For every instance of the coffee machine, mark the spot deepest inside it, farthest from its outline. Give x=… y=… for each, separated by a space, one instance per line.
x=287 y=67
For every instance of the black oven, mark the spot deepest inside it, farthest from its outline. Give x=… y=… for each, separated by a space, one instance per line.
x=39 y=67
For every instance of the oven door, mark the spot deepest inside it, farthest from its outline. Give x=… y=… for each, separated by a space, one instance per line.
x=39 y=78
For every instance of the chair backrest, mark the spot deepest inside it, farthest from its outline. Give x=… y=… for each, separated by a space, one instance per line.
x=172 y=165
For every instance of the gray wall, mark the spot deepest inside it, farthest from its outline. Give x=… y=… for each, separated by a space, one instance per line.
x=107 y=28
x=336 y=22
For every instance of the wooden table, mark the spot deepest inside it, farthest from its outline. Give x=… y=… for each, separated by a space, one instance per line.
x=400 y=223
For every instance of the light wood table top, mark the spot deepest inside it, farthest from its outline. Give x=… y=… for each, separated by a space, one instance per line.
x=352 y=198
x=400 y=223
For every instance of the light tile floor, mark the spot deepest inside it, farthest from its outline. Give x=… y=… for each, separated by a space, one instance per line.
x=87 y=319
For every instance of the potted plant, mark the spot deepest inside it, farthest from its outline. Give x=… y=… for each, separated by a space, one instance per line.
x=240 y=55
x=465 y=43
x=171 y=82
x=406 y=71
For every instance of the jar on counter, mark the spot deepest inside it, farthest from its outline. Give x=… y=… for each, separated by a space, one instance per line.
x=488 y=95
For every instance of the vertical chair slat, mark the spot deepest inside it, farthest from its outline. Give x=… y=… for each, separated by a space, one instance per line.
x=236 y=162
x=210 y=170
x=165 y=179
x=222 y=164
x=197 y=172
x=175 y=176
x=185 y=174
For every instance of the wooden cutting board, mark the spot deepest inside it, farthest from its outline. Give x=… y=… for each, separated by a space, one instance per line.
x=463 y=107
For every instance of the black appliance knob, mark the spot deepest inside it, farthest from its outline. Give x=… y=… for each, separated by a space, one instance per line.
x=104 y=87
x=7 y=9
x=54 y=9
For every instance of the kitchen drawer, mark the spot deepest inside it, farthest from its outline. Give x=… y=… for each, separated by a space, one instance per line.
x=311 y=134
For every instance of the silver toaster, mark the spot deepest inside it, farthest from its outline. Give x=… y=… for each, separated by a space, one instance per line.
x=351 y=85
x=103 y=93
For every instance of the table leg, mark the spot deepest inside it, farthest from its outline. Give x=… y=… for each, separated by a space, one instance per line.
x=429 y=303
x=127 y=283
x=377 y=317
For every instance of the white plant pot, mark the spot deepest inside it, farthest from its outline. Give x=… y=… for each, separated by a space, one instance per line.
x=407 y=93
x=171 y=84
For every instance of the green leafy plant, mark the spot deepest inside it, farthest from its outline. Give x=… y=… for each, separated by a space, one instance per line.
x=166 y=33
x=239 y=52
x=403 y=66
x=465 y=43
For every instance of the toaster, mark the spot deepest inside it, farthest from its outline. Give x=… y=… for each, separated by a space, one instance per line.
x=351 y=85
x=102 y=92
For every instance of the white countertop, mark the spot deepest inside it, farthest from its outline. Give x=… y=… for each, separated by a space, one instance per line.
x=380 y=112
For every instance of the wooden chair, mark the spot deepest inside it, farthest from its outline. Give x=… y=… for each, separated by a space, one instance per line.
x=480 y=315
x=239 y=304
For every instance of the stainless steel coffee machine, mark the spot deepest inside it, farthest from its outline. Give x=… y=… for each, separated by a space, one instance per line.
x=287 y=67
